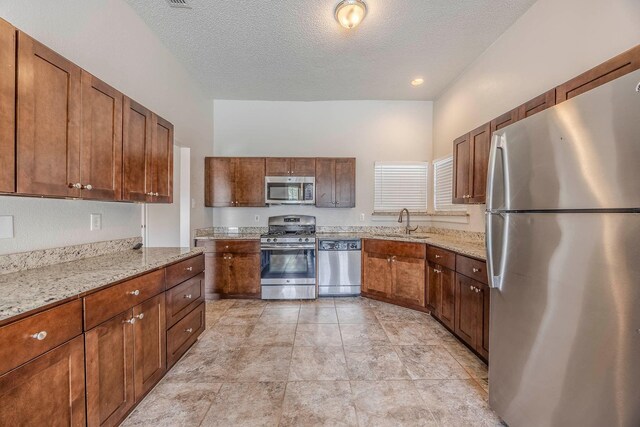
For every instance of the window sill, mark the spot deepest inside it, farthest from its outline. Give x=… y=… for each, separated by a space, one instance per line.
x=423 y=213
x=457 y=217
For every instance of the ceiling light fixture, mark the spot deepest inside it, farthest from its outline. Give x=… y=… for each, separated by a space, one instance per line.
x=350 y=13
x=417 y=82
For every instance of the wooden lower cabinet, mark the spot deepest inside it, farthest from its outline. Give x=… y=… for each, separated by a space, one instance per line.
x=441 y=293
x=472 y=313
x=184 y=334
x=434 y=289
x=47 y=391
x=408 y=284
x=377 y=274
x=232 y=268
x=243 y=277
x=150 y=342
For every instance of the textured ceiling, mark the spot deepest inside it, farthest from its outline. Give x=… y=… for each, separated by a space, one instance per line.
x=295 y=50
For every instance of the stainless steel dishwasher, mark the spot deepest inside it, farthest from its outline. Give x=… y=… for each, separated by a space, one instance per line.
x=339 y=262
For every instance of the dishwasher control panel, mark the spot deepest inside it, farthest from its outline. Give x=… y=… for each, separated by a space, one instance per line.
x=340 y=245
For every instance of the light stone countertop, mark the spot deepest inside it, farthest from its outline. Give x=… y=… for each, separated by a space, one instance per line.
x=453 y=243
x=30 y=290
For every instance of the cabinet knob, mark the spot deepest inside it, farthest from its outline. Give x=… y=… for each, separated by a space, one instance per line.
x=150 y=193
x=476 y=270
x=477 y=290
x=87 y=187
x=438 y=256
x=187 y=296
x=437 y=271
x=188 y=330
x=226 y=247
x=130 y=321
x=139 y=316
x=77 y=185
x=471 y=287
x=135 y=293
x=189 y=268
x=40 y=335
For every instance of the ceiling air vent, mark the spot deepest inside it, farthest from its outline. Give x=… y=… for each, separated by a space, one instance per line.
x=182 y=4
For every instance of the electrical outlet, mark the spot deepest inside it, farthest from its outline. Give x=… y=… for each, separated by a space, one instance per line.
x=361 y=217
x=256 y=218
x=96 y=222
x=6 y=227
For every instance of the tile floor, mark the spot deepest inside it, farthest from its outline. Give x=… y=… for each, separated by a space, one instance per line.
x=330 y=362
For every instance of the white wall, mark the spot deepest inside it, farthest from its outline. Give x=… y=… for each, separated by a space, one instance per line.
x=552 y=42
x=107 y=38
x=367 y=130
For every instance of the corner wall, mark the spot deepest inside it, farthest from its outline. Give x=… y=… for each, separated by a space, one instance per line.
x=554 y=41
x=108 y=39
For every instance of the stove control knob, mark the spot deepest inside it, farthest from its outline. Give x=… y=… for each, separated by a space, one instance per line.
x=306 y=240
x=268 y=240
x=300 y=239
x=275 y=240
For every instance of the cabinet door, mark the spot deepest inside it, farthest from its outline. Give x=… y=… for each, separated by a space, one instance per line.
x=161 y=160
x=244 y=275
x=303 y=166
x=150 y=342
x=109 y=367
x=48 y=129
x=610 y=70
x=136 y=143
x=466 y=323
x=101 y=141
x=278 y=166
x=504 y=120
x=7 y=107
x=220 y=176
x=408 y=280
x=537 y=104
x=345 y=186
x=377 y=274
x=448 y=297
x=480 y=146
x=434 y=292
x=325 y=183
x=216 y=274
x=250 y=173
x=461 y=169
x=483 y=322
x=47 y=391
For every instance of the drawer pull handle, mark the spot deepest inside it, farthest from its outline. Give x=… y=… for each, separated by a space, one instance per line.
x=476 y=270
x=135 y=293
x=139 y=316
x=438 y=256
x=189 y=268
x=189 y=330
x=188 y=296
x=131 y=321
x=40 y=335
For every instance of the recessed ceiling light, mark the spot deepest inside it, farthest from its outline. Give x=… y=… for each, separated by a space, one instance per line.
x=350 y=13
x=417 y=82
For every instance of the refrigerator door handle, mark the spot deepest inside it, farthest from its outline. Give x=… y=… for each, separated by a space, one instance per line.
x=498 y=143
x=496 y=272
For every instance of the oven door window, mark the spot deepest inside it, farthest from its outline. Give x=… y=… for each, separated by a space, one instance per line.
x=288 y=264
x=284 y=191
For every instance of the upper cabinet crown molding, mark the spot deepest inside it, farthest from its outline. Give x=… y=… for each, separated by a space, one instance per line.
x=7 y=107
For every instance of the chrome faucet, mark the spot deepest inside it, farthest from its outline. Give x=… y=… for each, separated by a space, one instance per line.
x=408 y=228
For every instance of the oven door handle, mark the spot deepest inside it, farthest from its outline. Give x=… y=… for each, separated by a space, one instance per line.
x=285 y=247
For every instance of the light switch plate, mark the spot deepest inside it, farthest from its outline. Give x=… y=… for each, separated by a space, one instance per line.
x=361 y=217
x=256 y=218
x=6 y=226
x=96 y=222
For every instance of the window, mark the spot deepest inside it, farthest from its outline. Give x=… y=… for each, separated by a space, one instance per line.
x=400 y=185
x=443 y=186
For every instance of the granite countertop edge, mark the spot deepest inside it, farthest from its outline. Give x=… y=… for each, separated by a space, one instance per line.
x=31 y=291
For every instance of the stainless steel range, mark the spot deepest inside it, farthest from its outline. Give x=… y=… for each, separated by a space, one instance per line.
x=288 y=258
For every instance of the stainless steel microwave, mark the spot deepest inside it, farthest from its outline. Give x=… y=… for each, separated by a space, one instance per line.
x=290 y=190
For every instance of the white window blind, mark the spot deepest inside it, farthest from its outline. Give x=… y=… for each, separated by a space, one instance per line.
x=400 y=185
x=443 y=186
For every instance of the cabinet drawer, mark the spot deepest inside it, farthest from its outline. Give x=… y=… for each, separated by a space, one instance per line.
x=59 y=325
x=234 y=246
x=400 y=249
x=184 y=333
x=181 y=271
x=105 y=304
x=184 y=298
x=441 y=257
x=472 y=268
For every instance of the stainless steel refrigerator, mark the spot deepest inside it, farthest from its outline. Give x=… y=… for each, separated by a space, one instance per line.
x=563 y=255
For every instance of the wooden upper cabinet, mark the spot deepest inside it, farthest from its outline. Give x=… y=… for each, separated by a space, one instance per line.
x=137 y=129
x=335 y=182
x=48 y=390
x=537 y=104
x=303 y=166
x=480 y=139
x=461 y=169
x=101 y=140
x=618 y=66
x=219 y=181
x=7 y=107
x=278 y=166
x=160 y=161
x=48 y=127
x=504 y=120
x=249 y=181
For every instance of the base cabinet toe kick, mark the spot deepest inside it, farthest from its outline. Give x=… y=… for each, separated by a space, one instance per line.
x=107 y=350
